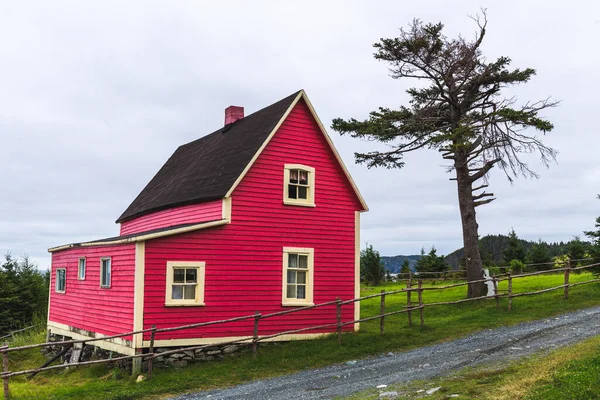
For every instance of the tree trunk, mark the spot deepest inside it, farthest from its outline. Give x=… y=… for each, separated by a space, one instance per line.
x=469 y=227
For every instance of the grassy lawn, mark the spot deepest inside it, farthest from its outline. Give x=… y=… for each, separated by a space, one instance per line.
x=571 y=373
x=441 y=323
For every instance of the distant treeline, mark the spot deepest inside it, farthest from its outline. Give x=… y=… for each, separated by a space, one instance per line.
x=23 y=294
x=499 y=250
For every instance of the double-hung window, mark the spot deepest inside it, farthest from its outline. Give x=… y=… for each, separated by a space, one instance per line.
x=61 y=280
x=298 y=271
x=185 y=283
x=299 y=185
x=105 y=272
x=81 y=269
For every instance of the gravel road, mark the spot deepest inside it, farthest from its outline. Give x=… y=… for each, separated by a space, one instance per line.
x=505 y=343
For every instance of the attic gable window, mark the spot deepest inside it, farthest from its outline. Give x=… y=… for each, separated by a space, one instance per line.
x=185 y=283
x=298 y=271
x=299 y=185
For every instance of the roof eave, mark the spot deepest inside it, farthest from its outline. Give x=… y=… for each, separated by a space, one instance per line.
x=143 y=236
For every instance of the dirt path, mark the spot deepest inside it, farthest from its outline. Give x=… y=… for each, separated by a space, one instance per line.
x=506 y=343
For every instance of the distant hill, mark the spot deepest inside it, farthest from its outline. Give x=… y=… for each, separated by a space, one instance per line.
x=493 y=246
x=394 y=263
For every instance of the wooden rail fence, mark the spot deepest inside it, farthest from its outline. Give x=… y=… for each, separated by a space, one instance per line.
x=255 y=338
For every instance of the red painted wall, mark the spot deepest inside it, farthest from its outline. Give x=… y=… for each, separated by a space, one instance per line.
x=244 y=259
x=204 y=212
x=85 y=305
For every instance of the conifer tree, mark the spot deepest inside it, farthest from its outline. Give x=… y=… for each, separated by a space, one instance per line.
x=515 y=249
x=539 y=256
x=371 y=267
x=458 y=110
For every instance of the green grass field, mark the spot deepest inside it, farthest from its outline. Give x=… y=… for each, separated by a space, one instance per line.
x=441 y=323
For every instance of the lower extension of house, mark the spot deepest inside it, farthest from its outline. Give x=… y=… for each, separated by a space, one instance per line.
x=260 y=215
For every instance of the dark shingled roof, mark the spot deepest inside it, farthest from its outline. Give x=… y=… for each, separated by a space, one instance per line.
x=207 y=168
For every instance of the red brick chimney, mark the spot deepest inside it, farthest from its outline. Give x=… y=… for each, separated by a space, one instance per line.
x=233 y=113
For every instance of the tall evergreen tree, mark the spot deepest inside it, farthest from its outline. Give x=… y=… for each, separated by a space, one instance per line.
x=515 y=249
x=431 y=262
x=23 y=293
x=577 y=251
x=458 y=110
x=371 y=267
x=405 y=269
x=539 y=256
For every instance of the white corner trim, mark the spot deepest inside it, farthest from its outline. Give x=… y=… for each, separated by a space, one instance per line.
x=356 y=269
x=226 y=209
x=138 y=294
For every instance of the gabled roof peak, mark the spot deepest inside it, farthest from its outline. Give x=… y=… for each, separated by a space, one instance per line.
x=212 y=166
x=206 y=168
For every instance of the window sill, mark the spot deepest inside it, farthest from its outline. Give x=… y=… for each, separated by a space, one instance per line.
x=104 y=287
x=296 y=304
x=298 y=203
x=60 y=291
x=185 y=304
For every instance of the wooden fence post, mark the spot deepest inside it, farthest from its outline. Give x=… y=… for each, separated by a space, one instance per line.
x=421 y=307
x=5 y=370
x=408 y=300
x=255 y=335
x=567 y=273
x=339 y=319
x=510 y=284
x=151 y=351
x=495 y=282
x=382 y=319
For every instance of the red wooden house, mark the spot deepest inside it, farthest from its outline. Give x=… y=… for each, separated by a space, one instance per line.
x=260 y=215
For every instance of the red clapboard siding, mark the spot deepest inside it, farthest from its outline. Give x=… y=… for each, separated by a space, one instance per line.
x=209 y=211
x=244 y=259
x=85 y=305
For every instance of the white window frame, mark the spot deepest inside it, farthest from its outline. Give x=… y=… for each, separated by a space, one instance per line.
x=292 y=302
x=64 y=290
x=310 y=200
x=102 y=285
x=81 y=276
x=200 y=266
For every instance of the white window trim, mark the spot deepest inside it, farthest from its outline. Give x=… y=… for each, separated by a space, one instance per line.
x=109 y=273
x=56 y=280
x=79 y=277
x=199 y=300
x=309 y=278
x=310 y=202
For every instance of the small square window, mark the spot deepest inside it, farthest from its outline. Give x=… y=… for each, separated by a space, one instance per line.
x=185 y=283
x=61 y=280
x=81 y=269
x=299 y=185
x=105 y=273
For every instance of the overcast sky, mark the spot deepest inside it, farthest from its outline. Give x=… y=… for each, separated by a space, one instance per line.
x=95 y=97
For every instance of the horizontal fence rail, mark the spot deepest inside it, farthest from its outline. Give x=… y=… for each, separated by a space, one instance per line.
x=255 y=338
